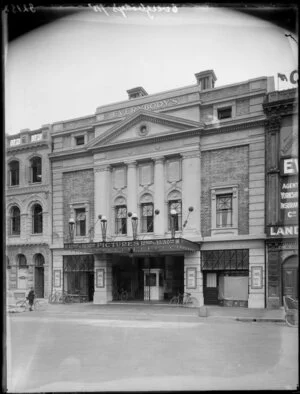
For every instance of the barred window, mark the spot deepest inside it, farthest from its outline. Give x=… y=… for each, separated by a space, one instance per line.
x=121 y=219
x=80 y=218
x=177 y=206
x=14 y=169
x=224 y=210
x=15 y=221
x=37 y=219
x=147 y=218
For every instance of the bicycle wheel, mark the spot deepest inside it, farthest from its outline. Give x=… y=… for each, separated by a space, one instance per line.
x=174 y=300
x=124 y=296
x=291 y=318
x=21 y=304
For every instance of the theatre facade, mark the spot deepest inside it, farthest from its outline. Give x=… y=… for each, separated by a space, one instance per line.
x=163 y=193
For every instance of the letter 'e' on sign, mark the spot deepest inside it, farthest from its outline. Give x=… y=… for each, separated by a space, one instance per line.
x=289 y=166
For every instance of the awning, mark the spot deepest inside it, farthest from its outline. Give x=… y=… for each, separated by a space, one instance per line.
x=156 y=246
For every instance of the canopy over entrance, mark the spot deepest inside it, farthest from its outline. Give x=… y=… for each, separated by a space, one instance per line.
x=155 y=246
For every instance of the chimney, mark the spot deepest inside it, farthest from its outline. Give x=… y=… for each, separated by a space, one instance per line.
x=206 y=79
x=136 y=92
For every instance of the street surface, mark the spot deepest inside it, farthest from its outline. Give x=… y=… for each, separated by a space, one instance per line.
x=146 y=348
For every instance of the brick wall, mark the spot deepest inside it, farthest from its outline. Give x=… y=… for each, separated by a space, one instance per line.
x=223 y=167
x=78 y=186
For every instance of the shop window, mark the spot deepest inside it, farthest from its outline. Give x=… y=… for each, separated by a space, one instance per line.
x=36 y=169
x=224 y=210
x=14 y=169
x=37 y=219
x=80 y=215
x=224 y=113
x=177 y=206
x=121 y=219
x=147 y=218
x=15 y=221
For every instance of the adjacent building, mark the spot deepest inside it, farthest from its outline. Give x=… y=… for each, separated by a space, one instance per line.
x=28 y=212
x=282 y=214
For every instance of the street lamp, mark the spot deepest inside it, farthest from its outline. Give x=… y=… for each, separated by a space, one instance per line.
x=173 y=213
x=71 y=228
x=103 y=227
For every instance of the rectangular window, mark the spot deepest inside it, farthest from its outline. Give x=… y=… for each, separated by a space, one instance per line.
x=79 y=140
x=224 y=113
x=147 y=218
x=175 y=219
x=80 y=221
x=14 y=173
x=224 y=210
x=121 y=219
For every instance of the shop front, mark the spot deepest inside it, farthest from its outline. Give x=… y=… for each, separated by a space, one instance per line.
x=226 y=277
x=146 y=271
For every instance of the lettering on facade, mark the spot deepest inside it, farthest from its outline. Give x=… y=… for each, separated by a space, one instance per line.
x=283 y=230
x=289 y=166
x=289 y=199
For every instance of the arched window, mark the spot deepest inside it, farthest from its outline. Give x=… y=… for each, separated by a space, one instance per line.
x=15 y=222
x=176 y=205
x=37 y=219
x=121 y=219
x=7 y=262
x=39 y=260
x=21 y=261
x=36 y=169
x=147 y=214
x=14 y=169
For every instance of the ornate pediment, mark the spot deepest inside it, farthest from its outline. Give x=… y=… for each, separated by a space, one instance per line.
x=143 y=125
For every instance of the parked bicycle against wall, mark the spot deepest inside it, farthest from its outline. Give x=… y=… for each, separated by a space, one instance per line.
x=185 y=299
x=120 y=295
x=58 y=297
x=37 y=305
x=291 y=307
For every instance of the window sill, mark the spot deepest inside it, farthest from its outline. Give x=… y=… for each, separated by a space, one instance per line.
x=35 y=183
x=14 y=235
x=224 y=231
x=36 y=234
x=13 y=186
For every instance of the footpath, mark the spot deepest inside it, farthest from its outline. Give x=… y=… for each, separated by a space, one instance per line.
x=159 y=312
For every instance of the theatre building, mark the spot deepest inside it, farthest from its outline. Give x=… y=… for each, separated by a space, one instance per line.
x=28 y=207
x=163 y=193
x=282 y=215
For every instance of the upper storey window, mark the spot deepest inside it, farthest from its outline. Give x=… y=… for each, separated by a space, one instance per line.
x=224 y=113
x=36 y=170
x=37 y=219
x=79 y=140
x=15 y=227
x=14 y=169
x=121 y=219
x=224 y=210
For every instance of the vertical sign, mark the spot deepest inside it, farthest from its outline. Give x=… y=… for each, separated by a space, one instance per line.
x=100 y=278
x=57 y=278
x=191 y=282
x=256 y=278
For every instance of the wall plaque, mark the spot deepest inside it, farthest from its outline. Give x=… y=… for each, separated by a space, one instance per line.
x=57 y=278
x=100 y=282
x=191 y=279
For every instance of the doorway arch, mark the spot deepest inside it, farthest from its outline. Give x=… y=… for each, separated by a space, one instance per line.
x=39 y=262
x=290 y=268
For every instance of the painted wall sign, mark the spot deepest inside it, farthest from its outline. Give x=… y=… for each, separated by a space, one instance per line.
x=57 y=278
x=289 y=199
x=276 y=231
x=100 y=281
x=256 y=278
x=191 y=278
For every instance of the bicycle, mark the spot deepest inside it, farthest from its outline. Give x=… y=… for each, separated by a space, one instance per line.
x=37 y=305
x=121 y=295
x=60 y=297
x=291 y=307
x=185 y=299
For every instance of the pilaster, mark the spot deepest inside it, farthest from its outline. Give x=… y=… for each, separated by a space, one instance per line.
x=131 y=193
x=102 y=196
x=103 y=279
x=192 y=263
x=159 y=186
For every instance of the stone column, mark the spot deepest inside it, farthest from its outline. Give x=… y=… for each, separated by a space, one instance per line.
x=191 y=192
x=192 y=260
x=159 y=187
x=103 y=279
x=102 y=198
x=131 y=194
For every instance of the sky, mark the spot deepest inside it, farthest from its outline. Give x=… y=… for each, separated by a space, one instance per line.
x=68 y=68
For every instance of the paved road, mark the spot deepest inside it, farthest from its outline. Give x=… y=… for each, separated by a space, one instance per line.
x=147 y=350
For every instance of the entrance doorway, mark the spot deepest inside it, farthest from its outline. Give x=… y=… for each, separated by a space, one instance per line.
x=39 y=275
x=290 y=277
x=210 y=288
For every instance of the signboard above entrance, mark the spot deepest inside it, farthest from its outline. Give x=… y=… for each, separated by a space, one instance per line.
x=138 y=246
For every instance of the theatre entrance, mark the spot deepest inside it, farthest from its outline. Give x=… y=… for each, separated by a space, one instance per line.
x=147 y=278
